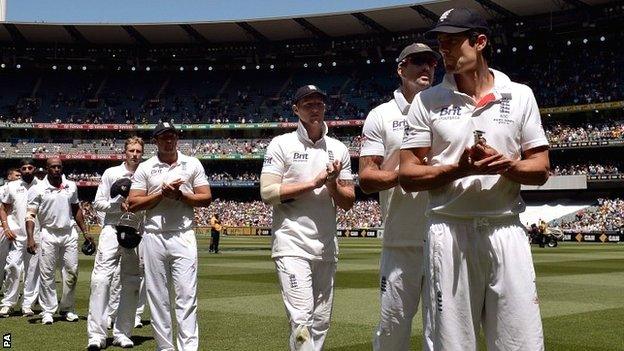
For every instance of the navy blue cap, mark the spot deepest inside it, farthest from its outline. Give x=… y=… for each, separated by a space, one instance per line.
x=163 y=127
x=307 y=90
x=459 y=20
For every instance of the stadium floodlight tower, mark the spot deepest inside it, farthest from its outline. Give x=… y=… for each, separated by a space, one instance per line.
x=3 y=10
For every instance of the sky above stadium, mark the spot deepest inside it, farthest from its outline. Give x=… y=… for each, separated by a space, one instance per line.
x=138 y=11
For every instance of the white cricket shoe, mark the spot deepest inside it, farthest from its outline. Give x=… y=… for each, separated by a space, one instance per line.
x=27 y=312
x=71 y=317
x=5 y=311
x=47 y=319
x=123 y=342
x=138 y=323
x=96 y=344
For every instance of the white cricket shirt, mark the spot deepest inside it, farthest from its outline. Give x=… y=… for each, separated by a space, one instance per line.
x=169 y=215
x=444 y=119
x=403 y=213
x=306 y=226
x=16 y=194
x=103 y=203
x=53 y=204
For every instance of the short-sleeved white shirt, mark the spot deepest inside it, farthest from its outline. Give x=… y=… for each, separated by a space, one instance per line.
x=16 y=194
x=53 y=204
x=306 y=226
x=403 y=213
x=169 y=215
x=444 y=120
x=107 y=207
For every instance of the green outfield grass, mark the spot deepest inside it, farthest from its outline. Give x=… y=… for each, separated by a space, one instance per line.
x=581 y=289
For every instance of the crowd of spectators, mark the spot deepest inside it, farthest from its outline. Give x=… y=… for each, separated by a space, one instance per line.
x=228 y=146
x=607 y=130
x=84 y=176
x=608 y=214
x=364 y=214
x=581 y=72
x=586 y=168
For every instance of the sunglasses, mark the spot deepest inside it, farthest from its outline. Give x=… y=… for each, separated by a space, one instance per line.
x=420 y=60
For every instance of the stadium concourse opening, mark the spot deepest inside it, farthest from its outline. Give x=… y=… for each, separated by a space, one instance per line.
x=77 y=91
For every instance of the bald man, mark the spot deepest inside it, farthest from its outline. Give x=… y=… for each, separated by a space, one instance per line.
x=54 y=203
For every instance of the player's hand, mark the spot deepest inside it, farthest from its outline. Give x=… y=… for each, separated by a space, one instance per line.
x=481 y=150
x=495 y=164
x=31 y=246
x=333 y=170
x=9 y=234
x=172 y=190
x=320 y=179
x=125 y=206
x=176 y=183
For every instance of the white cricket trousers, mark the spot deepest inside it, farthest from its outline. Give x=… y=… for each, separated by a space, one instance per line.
x=18 y=261
x=109 y=258
x=401 y=277
x=308 y=293
x=5 y=247
x=171 y=260
x=58 y=245
x=479 y=272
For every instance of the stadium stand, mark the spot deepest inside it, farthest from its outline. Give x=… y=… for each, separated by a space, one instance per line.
x=231 y=94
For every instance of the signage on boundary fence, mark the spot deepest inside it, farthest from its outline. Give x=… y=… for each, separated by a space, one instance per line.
x=611 y=236
x=263 y=231
x=121 y=126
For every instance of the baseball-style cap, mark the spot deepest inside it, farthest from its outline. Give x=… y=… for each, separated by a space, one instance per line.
x=416 y=48
x=307 y=90
x=459 y=20
x=163 y=127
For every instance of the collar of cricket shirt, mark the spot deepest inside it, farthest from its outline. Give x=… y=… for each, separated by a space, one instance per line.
x=302 y=133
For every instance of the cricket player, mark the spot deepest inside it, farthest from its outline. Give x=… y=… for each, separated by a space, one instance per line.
x=168 y=186
x=401 y=271
x=471 y=141
x=6 y=240
x=13 y=216
x=111 y=258
x=54 y=201
x=305 y=176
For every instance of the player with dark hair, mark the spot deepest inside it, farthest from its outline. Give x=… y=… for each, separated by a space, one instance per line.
x=13 y=214
x=168 y=186
x=54 y=203
x=400 y=270
x=471 y=141
x=6 y=240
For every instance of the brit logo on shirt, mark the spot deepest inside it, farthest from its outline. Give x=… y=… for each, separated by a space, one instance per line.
x=450 y=112
x=268 y=160
x=300 y=157
x=398 y=125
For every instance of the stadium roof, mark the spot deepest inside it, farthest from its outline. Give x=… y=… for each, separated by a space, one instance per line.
x=325 y=26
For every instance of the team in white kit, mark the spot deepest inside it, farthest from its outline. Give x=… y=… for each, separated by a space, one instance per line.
x=450 y=202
